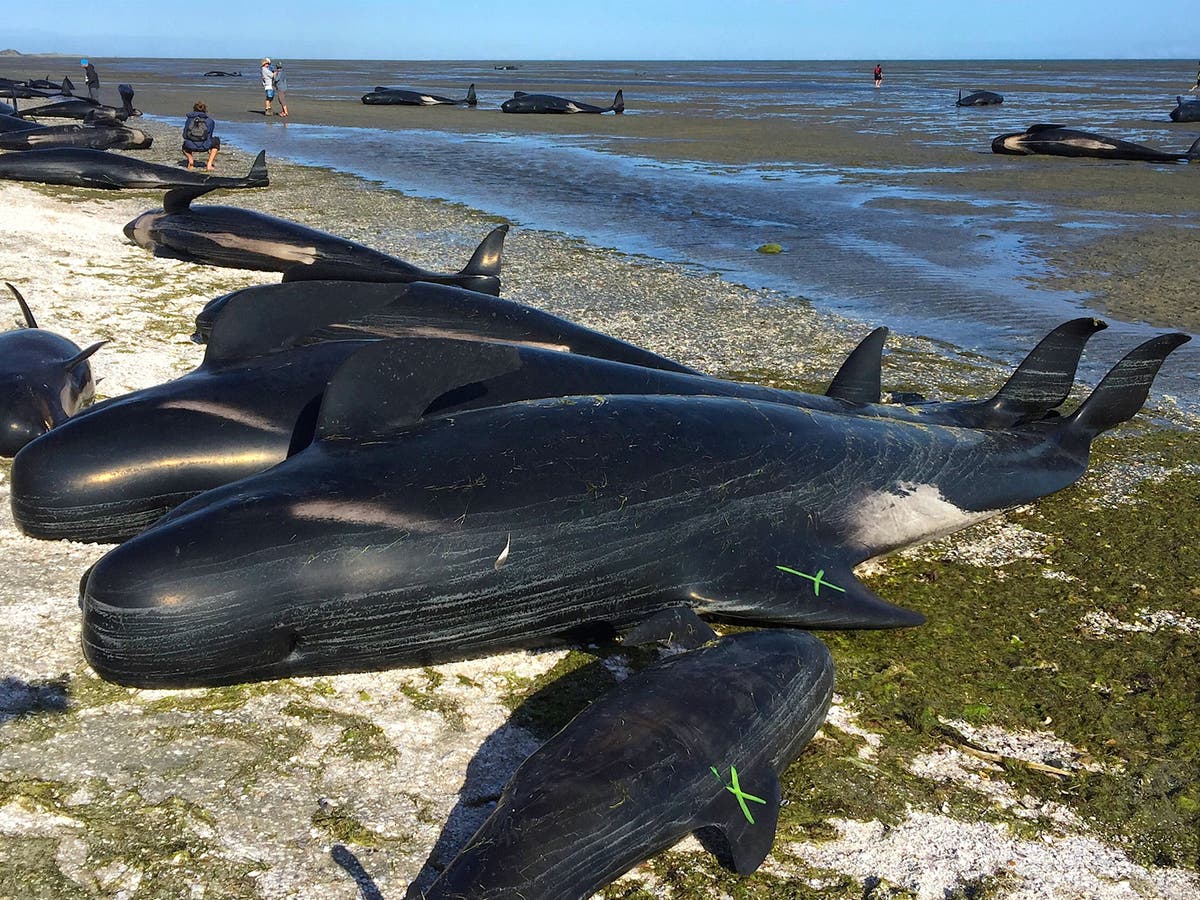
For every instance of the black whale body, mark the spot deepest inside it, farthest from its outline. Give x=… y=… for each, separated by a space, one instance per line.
x=648 y=763
x=549 y=520
x=113 y=136
x=1185 y=110
x=44 y=379
x=548 y=103
x=245 y=239
x=385 y=96
x=979 y=98
x=1057 y=140
x=253 y=399
x=84 y=108
x=79 y=167
x=245 y=407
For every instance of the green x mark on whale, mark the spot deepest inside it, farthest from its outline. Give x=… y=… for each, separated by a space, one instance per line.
x=817 y=580
x=736 y=790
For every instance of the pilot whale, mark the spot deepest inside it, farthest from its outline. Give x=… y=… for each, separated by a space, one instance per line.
x=253 y=400
x=522 y=102
x=1058 y=140
x=695 y=743
x=1185 y=110
x=549 y=520
x=44 y=379
x=85 y=108
x=79 y=167
x=99 y=136
x=244 y=239
x=386 y=96
x=979 y=98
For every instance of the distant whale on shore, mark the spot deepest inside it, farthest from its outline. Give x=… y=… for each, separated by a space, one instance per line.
x=1185 y=110
x=695 y=743
x=245 y=239
x=547 y=103
x=44 y=380
x=1058 y=140
x=386 y=96
x=979 y=98
x=79 y=167
x=217 y=73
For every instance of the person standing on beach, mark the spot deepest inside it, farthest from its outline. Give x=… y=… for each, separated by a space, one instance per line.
x=1197 y=84
x=878 y=75
x=280 y=82
x=268 y=80
x=91 y=78
x=198 y=136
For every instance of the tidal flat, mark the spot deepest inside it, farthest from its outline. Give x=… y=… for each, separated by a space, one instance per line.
x=1036 y=738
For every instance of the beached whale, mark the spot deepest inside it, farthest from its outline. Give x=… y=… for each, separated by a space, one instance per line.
x=547 y=103
x=386 y=96
x=10 y=124
x=110 y=136
x=979 y=98
x=111 y=171
x=217 y=73
x=255 y=398
x=44 y=379
x=244 y=239
x=1185 y=110
x=45 y=84
x=695 y=743
x=1058 y=140
x=535 y=522
x=85 y=108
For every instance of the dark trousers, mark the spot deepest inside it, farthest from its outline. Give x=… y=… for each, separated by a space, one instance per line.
x=94 y=91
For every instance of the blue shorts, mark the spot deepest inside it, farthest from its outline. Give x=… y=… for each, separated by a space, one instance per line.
x=270 y=95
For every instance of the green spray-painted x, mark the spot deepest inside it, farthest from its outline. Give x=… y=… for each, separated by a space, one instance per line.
x=736 y=790
x=817 y=580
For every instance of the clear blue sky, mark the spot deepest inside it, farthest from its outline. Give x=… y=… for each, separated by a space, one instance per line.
x=618 y=29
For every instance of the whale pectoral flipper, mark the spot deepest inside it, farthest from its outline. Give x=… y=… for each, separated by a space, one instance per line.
x=746 y=813
x=814 y=595
x=678 y=625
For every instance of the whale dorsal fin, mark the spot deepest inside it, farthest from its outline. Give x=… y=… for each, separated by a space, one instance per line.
x=260 y=320
x=858 y=380
x=387 y=386
x=745 y=812
x=1034 y=129
x=29 y=321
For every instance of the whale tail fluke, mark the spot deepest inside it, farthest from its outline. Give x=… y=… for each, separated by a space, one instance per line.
x=618 y=104
x=1193 y=153
x=1044 y=378
x=1120 y=394
x=471 y=100
x=25 y=311
x=958 y=102
x=858 y=380
x=126 y=92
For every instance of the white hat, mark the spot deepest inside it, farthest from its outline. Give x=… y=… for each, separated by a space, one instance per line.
x=266 y=59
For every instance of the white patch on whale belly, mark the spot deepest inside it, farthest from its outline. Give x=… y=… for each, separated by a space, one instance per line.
x=273 y=249
x=889 y=520
x=571 y=107
x=1088 y=144
x=427 y=100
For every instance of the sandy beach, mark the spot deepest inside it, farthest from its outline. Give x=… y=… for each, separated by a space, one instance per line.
x=1037 y=738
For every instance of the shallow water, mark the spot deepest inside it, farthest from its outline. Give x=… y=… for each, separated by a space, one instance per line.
x=888 y=203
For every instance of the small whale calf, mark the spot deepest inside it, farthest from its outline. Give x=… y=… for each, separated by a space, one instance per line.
x=1058 y=140
x=244 y=239
x=530 y=523
x=522 y=102
x=112 y=171
x=979 y=98
x=385 y=96
x=44 y=380
x=1185 y=110
x=695 y=743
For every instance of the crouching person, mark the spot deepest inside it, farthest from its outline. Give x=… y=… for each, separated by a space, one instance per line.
x=198 y=136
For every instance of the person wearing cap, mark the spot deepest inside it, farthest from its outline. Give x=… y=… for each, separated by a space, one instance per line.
x=281 y=88
x=92 y=79
x=268 y=80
